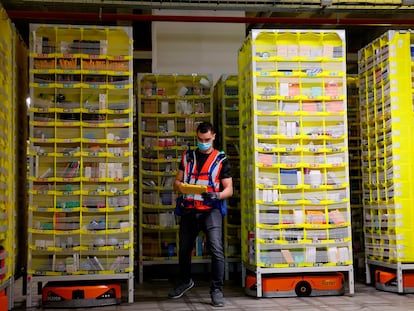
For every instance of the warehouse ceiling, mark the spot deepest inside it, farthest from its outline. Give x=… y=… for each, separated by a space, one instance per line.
x=362 y=20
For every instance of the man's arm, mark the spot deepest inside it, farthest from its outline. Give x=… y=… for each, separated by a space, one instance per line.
x=227 y=191
x=179 y=178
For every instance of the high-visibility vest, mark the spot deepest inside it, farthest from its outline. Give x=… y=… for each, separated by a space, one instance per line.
x=208 y=176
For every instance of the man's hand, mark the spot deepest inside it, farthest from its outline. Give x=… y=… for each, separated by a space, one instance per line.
x=179 y=189
x=210 y=196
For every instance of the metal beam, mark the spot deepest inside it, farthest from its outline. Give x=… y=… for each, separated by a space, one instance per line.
x=240 y=5
x=71 y=16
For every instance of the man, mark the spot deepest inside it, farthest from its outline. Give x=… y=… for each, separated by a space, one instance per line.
x=204 y=166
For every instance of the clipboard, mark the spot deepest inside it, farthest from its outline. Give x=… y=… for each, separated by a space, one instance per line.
x=193 y=189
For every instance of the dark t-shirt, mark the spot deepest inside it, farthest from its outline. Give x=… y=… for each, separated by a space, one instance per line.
x=225 y=171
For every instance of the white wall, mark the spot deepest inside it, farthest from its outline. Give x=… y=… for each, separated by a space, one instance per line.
x=195 y=47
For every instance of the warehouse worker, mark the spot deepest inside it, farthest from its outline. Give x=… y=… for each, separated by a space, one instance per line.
x=204 y=166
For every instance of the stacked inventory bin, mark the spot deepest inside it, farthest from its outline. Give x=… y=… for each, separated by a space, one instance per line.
x=7 y=201
x=385 y=81
x=170 y=107
x=81 y=157
x=293 y=129
x=226 y=117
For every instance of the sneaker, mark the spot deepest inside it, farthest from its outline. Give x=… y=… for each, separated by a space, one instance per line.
x=217 y=299
x=181 y=289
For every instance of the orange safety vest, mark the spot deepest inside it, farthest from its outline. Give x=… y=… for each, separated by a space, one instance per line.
x=208 y=176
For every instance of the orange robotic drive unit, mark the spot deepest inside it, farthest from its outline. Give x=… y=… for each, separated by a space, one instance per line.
x=302 y=285
x=387 y=281
x=4 y=302
x=80 y=294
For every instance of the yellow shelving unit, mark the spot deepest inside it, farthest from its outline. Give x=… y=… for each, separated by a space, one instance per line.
x=386 y=101
x=170 y=106
x=7 y=200
x=355 y=175
x=81 y=155
x=293 y=128
x=226 y=98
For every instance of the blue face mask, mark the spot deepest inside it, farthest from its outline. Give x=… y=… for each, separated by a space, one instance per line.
x=203 y=146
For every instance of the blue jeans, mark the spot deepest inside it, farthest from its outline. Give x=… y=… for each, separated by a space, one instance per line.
x=211 y=223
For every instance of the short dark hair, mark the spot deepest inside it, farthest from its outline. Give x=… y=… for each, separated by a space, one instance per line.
x=205 y=127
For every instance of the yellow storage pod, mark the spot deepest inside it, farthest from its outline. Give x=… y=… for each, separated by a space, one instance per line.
x=226 y=116
x=355 y=175
x=81 y=155
x=7 y=202
x=170 y=107
x=385 y=79
x=293 y=129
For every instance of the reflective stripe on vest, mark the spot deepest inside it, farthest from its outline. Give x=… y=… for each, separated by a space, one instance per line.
x=202 y=178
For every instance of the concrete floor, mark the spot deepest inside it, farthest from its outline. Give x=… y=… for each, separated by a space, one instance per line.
x=152 y=296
